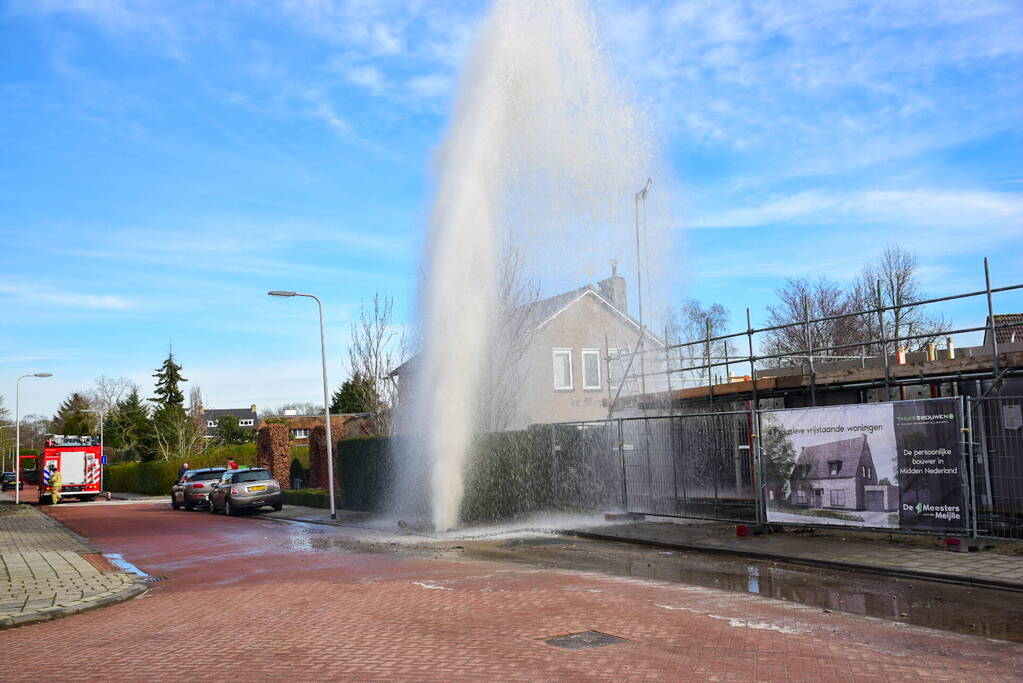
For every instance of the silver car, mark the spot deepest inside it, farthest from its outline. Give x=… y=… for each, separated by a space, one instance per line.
x=194 y=487
x=249 y=488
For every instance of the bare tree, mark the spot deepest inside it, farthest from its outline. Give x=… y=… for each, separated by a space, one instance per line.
x=892 y=280
x=109 y=391
x=300 y=408
x=375 y=351
x=515 y=329
x=801 y=299
x=695 y=322
x=180 y=432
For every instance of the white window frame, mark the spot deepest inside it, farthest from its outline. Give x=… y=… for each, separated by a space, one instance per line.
x=299 y=433
x=211 y=423
x=596 y=354
x=244 y=423
x=571 y=370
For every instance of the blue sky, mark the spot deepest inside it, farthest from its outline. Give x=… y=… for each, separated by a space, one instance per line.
x=166 y=163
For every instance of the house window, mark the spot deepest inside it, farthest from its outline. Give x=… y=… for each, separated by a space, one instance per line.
x=211 y=423
x=835 y=466
x=591 y=369
x=244 y=423
x=838 y=499
x=563 y=370
x=299 y=433
x=867 y=472
x=801 y=497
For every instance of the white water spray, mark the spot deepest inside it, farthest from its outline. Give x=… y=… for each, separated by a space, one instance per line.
x=543 y=153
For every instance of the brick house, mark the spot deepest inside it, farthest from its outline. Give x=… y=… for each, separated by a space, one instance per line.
x=342 y=425
x=838 y=475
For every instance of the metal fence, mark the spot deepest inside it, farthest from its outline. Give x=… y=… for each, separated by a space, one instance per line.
x=697 y=465
x=709 y=465
x=996 y=429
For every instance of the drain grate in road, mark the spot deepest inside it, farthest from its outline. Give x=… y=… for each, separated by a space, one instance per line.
x=583 y=640
x=154 y=579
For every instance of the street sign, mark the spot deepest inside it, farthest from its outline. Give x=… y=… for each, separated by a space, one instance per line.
x=103 y=460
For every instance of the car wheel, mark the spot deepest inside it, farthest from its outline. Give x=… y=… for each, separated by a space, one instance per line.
x=228 y=508
x=278 y=507
x=174 y=503
x=187 y=504
x=45 y=500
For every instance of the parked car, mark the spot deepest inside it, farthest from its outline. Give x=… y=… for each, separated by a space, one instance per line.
x=9 y=481
x=240 y=489
x=193 y=488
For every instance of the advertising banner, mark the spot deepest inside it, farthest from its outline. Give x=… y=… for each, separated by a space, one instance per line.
x=887 y=465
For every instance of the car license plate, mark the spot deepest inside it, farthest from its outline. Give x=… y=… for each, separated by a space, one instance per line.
x=253 y=489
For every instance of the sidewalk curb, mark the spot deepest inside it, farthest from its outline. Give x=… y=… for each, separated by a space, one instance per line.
x=137 y=588
x=826 y=564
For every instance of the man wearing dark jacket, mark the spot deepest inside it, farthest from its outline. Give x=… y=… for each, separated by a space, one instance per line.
x=182 y=470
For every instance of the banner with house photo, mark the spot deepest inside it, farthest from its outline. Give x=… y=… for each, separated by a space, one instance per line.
x=887 y=465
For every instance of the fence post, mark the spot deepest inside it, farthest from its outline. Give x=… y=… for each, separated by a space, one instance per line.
x=809 y=349
x=991 y=321
x=966 y=408
x=884 y=343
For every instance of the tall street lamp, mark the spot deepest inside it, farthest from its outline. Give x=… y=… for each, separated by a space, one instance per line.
x=642 y=194
x=17 y=434
x=326 y=399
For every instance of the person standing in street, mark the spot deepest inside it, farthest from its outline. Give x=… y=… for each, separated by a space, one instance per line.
x=182 y=470
x=56 y=481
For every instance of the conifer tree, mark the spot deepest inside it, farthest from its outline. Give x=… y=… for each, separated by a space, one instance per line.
x=129 y=427
x=168 y=376
x=71 y=418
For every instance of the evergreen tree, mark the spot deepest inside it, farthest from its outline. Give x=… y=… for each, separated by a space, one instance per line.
x=228 y=432
x=168 y=376
x=71 y=418
x=357 y=394
x=129 y=428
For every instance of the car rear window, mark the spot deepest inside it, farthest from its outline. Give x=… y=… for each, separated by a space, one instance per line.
x=206 y=476
x=252 y=475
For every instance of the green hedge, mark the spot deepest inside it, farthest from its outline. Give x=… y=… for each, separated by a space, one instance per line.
x=151 y=478
x=314 y=498
x=508 y=474
x=365 y=468
x=155 y=477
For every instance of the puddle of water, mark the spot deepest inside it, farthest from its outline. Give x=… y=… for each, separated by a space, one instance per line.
x=978 y=611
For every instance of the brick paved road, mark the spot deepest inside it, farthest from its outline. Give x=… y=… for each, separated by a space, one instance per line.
x=258 y=600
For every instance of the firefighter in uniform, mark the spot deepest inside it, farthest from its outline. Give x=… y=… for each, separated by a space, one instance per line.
x=56 y=481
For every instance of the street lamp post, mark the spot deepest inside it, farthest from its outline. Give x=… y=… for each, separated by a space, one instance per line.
x=17 y=433
x=326 y=397
x=642 y=194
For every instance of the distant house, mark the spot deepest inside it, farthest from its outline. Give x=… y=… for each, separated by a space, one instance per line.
x=247 y=418
x=1008 y=329
x=578 y=337
x=839 y=475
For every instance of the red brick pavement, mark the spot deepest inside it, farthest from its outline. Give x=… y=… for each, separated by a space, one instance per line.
x=254 y=600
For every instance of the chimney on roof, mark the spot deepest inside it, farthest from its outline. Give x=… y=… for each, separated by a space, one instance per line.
x=253 y=407
x=613 y=289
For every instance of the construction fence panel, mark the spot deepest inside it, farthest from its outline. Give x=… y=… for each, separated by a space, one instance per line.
x=586 y=465
x=996 y=439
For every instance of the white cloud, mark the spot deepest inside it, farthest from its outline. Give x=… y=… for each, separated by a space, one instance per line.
x=998 y=212
x=368 y=77
x=49 y=295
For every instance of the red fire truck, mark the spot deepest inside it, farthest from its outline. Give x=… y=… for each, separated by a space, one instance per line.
x=79 y=461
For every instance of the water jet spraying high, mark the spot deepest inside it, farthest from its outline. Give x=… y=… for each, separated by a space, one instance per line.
x=542 y=156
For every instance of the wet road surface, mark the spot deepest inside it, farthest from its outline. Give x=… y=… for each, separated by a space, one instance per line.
x=257 y=600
